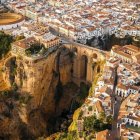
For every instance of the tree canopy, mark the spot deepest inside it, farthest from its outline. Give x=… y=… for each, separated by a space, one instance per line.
x=5 y=43
x=92 y=123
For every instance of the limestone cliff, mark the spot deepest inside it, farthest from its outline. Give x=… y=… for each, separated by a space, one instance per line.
x=38 y=84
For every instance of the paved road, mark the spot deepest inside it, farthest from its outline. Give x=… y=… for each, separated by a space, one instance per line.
x=116 y=107
x=116 y=103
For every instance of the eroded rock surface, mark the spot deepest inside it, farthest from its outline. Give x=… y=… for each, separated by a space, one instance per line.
x=42 y=93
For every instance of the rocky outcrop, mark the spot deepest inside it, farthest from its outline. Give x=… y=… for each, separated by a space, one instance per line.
x=43 y=89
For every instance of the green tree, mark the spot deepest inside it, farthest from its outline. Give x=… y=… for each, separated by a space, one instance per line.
x=92 y=123
x=19 y=37
x=90 y=108
x=36 y=48
x=109 y=119
x=102 y=116
x=83 y=91
x=5 y=43
x=80 y=114
x=97 y=124
x=68 y=136
x=88 y=123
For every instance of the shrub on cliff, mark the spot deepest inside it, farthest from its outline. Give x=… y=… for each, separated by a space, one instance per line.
x=90 y=108
x=24 y=99
x=68 y=136
x=83 y=91
x=7 y=94
x=80 y=114
x=73 y=126
x=17 y=38
x=14 y=86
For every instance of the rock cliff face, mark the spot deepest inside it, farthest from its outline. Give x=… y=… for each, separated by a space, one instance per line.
x=42 y=92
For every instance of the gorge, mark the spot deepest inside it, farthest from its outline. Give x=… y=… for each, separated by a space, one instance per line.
x=41 y=92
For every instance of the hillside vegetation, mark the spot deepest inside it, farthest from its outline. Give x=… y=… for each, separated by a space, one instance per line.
x=5 y=44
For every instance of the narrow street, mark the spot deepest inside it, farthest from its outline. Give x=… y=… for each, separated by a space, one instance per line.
x=115 y=130
x=116 y=103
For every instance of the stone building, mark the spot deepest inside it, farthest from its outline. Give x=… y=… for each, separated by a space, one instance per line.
x=19 y=47
x=127 y=53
